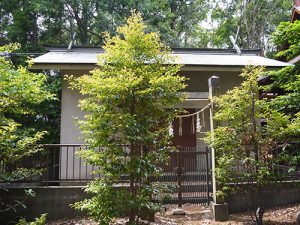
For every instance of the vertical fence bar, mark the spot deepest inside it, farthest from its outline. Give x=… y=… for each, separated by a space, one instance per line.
x=207 y=174
x=179 y=169
x=47 y=164
x=73 y=155
x=59 y=162
x=54 y=163
x=67 y=163
x=79 y=167
x=25 y=164
x=210 y=167
x=86 y=171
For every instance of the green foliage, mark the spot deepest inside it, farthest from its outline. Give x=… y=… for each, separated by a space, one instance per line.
x=47 y=112
x=286 y=82
x=19 y=90
x=251 y=142
x=181 y=23
x=177 y=21
x=256 y=19
x=129 y=101
x=16 y=204
x=286 y=37
x=38 y=221
x=36 y=23
x=245 y=148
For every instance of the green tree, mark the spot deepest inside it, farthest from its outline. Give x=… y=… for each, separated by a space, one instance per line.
x=181 y=23
x=46 y=116
x=129 y=102
x=245 y=148
x=32 y=24
x=39 y=22
x=286 y=82
x=256 y=20
x=286 y=39
x=20 y=89
x=177 y=21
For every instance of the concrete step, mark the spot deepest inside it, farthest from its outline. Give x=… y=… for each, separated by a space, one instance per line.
x=191 y=200
x=185 y=177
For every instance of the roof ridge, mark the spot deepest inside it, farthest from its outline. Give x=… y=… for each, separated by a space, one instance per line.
x=212 y=51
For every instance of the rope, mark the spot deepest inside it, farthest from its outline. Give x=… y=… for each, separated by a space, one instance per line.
x=195 y=113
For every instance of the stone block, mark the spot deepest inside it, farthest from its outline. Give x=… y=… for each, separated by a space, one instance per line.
x=219 y=212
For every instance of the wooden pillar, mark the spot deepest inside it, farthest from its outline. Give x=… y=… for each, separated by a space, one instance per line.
x=219 y=209
x=214 y=90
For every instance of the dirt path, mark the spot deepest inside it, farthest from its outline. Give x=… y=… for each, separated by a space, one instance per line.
x=199 y=215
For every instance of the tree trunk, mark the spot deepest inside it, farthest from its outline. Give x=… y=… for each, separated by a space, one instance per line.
x=34 y=38
x=132 y=187
x=259 y=215
x=132 y=213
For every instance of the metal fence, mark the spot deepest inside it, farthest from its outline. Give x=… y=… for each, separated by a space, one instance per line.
x=188 y=172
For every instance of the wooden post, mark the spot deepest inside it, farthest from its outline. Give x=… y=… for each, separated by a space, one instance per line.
x=207 y=174
x=179 y=174
x=219 y=209
x=214 y=90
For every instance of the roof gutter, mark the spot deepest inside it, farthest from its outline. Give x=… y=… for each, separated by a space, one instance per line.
x=86 y=66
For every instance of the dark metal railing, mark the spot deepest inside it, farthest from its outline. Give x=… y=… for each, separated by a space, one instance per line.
x=57 y=163
x=285 y=168
x=188 y=172
x=61 y=162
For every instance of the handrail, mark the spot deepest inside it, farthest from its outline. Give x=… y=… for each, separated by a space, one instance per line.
x=62 y=145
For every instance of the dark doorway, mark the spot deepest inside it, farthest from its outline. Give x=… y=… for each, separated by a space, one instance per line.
x=184 y=141
x=188 y=137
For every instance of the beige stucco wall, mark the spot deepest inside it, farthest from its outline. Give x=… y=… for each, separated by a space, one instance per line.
x=198 y=80
x=70 y=134
x=72 y=167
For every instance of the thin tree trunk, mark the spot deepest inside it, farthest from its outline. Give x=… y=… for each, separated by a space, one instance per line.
x=34 y=33
x=131 y=187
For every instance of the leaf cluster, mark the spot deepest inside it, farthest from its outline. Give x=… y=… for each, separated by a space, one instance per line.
x=286 y=82
x=286 y=38
x=37 y=221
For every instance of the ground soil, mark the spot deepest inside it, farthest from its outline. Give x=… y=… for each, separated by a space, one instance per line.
x=200 y=215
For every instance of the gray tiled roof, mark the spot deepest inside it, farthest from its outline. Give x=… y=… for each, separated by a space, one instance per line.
x=188 y=57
